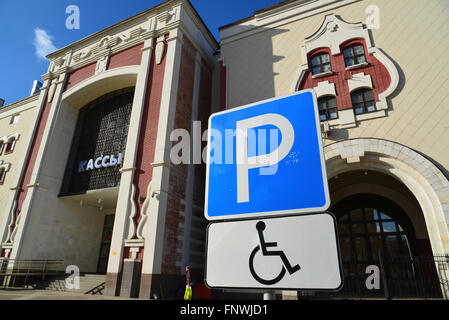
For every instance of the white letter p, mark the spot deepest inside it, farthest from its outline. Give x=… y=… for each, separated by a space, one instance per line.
x=245 y=163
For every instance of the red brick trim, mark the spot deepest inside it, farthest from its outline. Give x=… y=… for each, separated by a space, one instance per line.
x=148 y=130
x=128 y=57
x=380 y=76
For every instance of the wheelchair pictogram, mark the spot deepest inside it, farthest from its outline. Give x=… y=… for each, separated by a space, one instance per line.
x=260 y=226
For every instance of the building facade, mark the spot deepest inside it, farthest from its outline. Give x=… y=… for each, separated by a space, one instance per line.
x=379 y=70
x=86 y=172
x=85 y=169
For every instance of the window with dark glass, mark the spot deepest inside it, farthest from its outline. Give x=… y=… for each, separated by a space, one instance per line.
x=366 y=231
x=327 y=107
x=9 y=146
x=363 y=101
x=321 y=63
x=354 y=55
x=2 y=175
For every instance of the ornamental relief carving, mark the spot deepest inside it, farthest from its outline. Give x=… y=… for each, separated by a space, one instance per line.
x=330 y=41
x=155 y=25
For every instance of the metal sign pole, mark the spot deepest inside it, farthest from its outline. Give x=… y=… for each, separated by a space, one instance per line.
x=269 y=295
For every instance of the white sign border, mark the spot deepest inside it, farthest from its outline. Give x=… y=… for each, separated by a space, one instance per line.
x=277 y=212
x=262 y=289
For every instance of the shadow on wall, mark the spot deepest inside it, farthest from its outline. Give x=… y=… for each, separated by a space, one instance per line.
x=402 y=79
x=251 y=76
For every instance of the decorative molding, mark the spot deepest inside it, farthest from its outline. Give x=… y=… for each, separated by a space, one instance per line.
x=360 y=80
x=159 y=51
x=133 y=211
x=417 y=172
x=11 y=137
x=16 y=227
x=324 y=88
x=156 y=23
x=334 y=32
x=144 y=213
x=134 y=246
x=11 y=221
x=51 y=91
x=289 y=12
x=21 y=103
x=123 y=170
x=102 y=64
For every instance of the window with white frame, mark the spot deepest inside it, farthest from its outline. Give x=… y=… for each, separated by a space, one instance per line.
x=321 y=63
x=327 y=107
x=354 y=55
x=363 y=101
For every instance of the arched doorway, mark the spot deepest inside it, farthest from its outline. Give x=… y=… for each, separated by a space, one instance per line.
x=370 y=225
x=380 y=224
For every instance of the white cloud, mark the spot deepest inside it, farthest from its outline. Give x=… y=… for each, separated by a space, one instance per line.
x=43 y=43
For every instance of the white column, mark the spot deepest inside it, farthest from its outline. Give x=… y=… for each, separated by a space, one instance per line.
x=154 y=242
x=54 y=96
x=4 y=224
x=126 y=181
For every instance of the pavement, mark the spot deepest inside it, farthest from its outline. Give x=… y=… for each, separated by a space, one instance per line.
x=33 y=294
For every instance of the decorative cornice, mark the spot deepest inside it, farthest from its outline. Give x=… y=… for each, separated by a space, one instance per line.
x=153 y=23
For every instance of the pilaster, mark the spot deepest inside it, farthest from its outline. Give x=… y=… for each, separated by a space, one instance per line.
x=154 y=242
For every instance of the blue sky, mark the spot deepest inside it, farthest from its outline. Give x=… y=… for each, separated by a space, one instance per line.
x=31 y=29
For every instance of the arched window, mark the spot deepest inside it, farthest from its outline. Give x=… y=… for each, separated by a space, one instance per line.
x=327 y=107
x=9 y=145
x=354 y=55
x=1 y=146
x=363 y=101
x=367 y=225
x=321 y=63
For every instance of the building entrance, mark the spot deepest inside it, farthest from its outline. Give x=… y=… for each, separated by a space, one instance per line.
x=105 y=246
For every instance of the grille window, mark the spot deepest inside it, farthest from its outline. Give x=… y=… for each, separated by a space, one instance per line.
x=102 y=130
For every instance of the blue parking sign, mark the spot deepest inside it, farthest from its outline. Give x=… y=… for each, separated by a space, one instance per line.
x=266 y=159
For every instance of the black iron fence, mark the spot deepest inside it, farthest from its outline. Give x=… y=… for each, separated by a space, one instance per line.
x=412 y=277
x=23 y=273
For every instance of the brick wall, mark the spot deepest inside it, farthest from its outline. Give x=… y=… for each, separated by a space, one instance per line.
x=174 y=222
x=79 y=75
x=129 y=57
x=148 y=130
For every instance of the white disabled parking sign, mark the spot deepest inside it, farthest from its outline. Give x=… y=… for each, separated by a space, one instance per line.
x=266 y=159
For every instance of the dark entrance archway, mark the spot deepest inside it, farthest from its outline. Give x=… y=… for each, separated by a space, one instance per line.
x=375 y=231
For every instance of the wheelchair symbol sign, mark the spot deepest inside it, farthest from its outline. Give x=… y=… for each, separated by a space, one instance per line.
x=260 y=226
x=297 y=253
